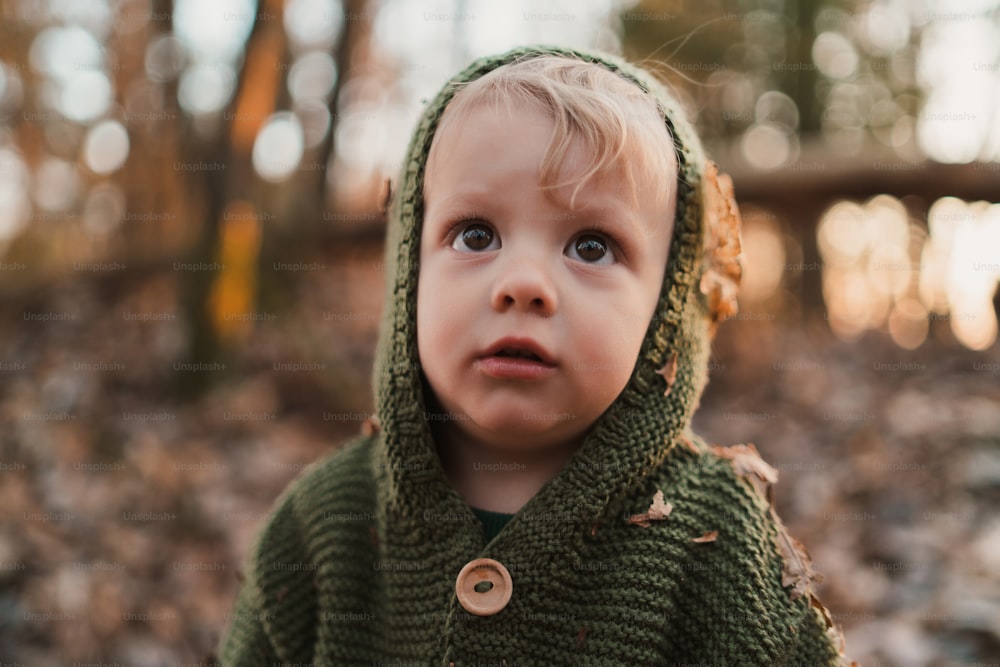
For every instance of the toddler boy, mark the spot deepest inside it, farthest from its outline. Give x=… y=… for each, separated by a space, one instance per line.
x=532 y=494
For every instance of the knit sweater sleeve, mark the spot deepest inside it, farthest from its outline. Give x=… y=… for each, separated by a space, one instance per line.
x=732 y=599
x=276 y=606
x=813 y=644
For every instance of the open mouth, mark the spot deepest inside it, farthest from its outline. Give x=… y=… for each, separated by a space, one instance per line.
x=518 y=354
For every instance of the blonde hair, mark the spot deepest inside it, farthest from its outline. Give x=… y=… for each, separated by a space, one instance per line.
x=618 y=123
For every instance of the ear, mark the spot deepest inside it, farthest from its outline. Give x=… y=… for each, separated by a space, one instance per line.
x=722 y=265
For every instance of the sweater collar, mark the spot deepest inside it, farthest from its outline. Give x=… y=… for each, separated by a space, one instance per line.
x=634 y=435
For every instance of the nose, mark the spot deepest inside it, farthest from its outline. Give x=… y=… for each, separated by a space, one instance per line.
x=525 y=285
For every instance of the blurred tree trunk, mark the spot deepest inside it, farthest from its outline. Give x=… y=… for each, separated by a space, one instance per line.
x=230 y=145
x=301 y=222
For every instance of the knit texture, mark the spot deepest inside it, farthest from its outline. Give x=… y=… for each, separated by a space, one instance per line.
x=357 y=565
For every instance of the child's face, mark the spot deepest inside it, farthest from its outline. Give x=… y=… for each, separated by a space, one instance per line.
x=505 y=264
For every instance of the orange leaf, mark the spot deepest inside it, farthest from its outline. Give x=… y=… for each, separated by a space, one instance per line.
x=669 y=372
x=707 y=537
x=720 y=281
x=658 y=511
x=797 y=571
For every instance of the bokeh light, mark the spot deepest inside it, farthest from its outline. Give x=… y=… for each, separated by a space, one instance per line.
x=61 y=52
x=214 y=31
x=314 y=116
x=85 y=96
x=206 y=88
x=766 y=146
x=312 y=76
x=834 y=55
x=164 y=58
x=884 y=28
x=313 y=23
x=763 y=256
x=957 y=66
x=94 y=15
x=883 y=270
x=278 y=148
x=106 y=147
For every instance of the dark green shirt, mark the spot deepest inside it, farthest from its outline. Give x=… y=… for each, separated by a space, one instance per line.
x=493 y=522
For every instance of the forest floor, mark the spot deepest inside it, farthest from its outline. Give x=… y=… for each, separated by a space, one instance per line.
x=126 y=512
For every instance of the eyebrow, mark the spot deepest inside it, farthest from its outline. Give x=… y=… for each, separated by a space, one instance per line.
x=634 y=224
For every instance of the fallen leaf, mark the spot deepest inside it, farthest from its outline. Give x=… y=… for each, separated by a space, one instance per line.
x=747 y=463
x=669 y=373
x=658 y=511
x=797 y=572
x=723 y=269
x=370 y=426
x=580 y=635
x=823 y=611
x=707 y=537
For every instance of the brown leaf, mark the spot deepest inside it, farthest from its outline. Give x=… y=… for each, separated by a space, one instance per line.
x=370 y=426
x=747 y=463
x=707 y=537
x=797 y=571
x=823 y=611
x=669 y=373
x=720 y=281
x=833 y=632
x=658 y=511
x=580 y=635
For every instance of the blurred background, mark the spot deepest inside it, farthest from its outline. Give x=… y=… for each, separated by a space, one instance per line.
x=191 y=229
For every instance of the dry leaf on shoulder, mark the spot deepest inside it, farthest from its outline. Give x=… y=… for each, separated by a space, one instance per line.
x=748 y=463
x=833 y=632
x=797 y=572
x=658 y=511
x=720 y=281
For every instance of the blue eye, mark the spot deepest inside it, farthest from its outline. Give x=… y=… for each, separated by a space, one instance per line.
x=591 y=248
x=476 y=237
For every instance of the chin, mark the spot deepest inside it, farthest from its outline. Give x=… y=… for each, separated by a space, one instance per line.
x=520 y=433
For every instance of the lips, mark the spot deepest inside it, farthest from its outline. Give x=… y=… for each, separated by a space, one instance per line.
x=516 y=359
x=519 y=348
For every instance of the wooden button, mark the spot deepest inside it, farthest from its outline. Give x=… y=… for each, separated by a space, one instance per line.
x=483 y=587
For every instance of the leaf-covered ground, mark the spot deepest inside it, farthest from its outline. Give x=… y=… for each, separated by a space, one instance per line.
x=125 y=512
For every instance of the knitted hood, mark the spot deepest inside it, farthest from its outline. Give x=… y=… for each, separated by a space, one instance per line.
x=636 y=431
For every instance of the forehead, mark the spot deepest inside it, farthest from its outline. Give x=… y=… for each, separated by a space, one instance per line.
x=635 y=156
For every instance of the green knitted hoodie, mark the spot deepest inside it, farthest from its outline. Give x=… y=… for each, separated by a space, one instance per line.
x=358 y=563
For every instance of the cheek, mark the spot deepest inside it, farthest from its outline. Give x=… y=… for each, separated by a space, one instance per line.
x=436 y=304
